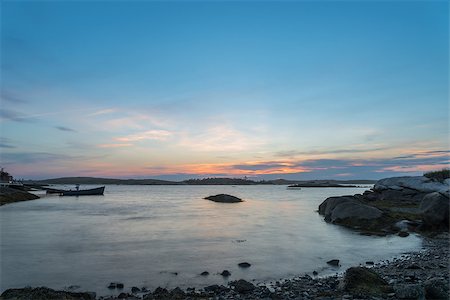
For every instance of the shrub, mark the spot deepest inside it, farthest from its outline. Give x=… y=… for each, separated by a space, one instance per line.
x=440 y=175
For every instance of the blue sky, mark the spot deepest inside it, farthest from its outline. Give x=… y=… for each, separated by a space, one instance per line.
x=302 y=89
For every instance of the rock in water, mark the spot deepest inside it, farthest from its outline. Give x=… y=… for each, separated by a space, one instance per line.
x=333 y=262
x=244 y=265
x=225 y=273
x=204 y=273
x=363 y=281
x=224 y=198
x=241 y=286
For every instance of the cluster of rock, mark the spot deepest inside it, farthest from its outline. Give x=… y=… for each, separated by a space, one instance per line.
x=419 y=200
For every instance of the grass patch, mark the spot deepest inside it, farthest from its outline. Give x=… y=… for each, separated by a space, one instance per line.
x=440 y=175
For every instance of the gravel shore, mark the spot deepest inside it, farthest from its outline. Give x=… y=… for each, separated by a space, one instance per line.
x=419 y=275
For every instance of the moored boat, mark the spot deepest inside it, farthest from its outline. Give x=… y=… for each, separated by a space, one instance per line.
x=89 y=192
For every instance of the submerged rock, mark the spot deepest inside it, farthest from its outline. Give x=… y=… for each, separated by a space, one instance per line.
x=224 y=198
x=244 y=265
x=225 y=273
x=204 y=273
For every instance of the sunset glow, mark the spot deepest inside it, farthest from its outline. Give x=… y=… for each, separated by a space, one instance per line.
x=229 y=89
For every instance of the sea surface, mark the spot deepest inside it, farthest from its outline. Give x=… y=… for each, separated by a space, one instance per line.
x=167 y=235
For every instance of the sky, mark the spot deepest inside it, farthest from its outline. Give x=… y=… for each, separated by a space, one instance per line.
x=179 y=89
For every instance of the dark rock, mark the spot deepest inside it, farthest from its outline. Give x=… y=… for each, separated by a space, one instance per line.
x=204 y=273
x=161 y=293
x=315 y=273
x=43 y=293
x=333 y=262
x=10 y=195
x=135 y=289
x=414 y=266
x=224 y=198
x=119 y=285
x=363 y=281
x=244 y=265
x=123 y=296
x=212 y=288
x=435 y=210
x=436 y=288
x=242 y=287
x=403 y=234
x=353 y=212
x=409 y=291
x=177 y=293
x=112 y=285
x=225 y=273
x=369 y=263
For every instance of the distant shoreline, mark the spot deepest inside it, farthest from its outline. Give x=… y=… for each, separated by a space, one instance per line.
x=205 y=181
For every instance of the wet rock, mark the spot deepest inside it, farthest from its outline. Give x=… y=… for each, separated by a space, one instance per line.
x=135 y=289
x=123 y=296
x=315 y=273
x=119 y=285
x=204 y=273
x=244 y=265
x=224 y=198
x=212 y=288
x=409 y=291
x=112 y=285
x=363 y=281
x=333 y=262
x=403 y=234
x=436 y=288
x=370 y=263
x=44 y=293
x=242 y=287
x=225 y=273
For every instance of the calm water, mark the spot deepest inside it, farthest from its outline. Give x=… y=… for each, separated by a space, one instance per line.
x=141 y=235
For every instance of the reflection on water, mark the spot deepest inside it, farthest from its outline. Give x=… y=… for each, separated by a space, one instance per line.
x=143 y=235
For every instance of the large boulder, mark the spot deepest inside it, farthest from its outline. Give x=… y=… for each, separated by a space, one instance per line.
x=224 y=198
x=241 y=286
x=436 y=288
x=364 y=282
x=327 y=206
x=418 y=183
x=435 y=210
x=354 y=210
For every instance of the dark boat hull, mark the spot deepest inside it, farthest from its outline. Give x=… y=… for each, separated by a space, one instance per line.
x=90 y=192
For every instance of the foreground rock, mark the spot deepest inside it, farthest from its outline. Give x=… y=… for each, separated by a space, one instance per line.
x=363 y=282
x=10 y=195
x=420 y=201
x=224 y=198
x=43 y=293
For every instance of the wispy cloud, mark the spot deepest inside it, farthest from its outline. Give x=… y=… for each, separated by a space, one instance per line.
x=145 y=135
x=102 y=112
x=11 y=115
x=120 y=145
x=63 y=128
x=291 y=153
x=10 y=97
x=220 y=138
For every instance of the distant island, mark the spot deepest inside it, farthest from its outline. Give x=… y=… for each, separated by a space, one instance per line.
x=203 y=181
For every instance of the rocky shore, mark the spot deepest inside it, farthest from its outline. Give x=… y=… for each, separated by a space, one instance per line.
x=420 y=275
x=10 y=195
